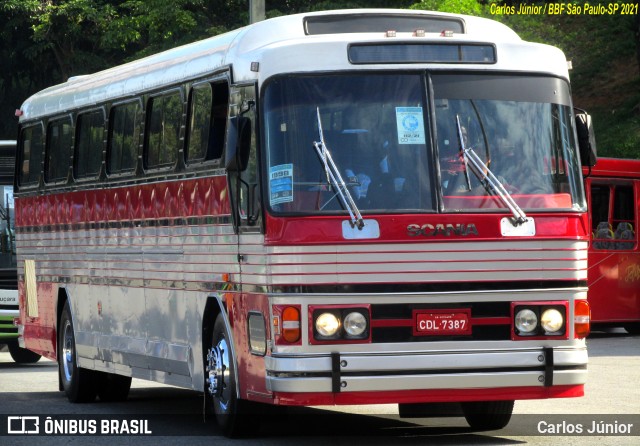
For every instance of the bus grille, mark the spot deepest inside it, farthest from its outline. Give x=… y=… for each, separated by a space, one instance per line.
x=491 y=321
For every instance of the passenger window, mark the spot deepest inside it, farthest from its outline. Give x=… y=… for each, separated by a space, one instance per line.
x=613 y=217
x=31 y=147
x=199 y=123
x=89 y=144
x=165 y=120
x=124 y=134
x=207 y=124
x=58 y=150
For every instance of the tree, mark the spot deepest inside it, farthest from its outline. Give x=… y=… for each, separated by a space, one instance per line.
x=45 y=42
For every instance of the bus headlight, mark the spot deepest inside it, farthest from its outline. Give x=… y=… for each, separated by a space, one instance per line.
x=355 y=324
x=327 y=325
x=340 y=324
x=551 y=320
x=539 y=320
x=526 y=321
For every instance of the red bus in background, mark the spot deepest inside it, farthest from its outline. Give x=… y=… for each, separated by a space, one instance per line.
x=613 y=191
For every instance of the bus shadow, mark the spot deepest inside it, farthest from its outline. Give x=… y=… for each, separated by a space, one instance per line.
x=293 y=425
x=603 y=332
x=174 y=412
x=306 y=424
x=40 y=366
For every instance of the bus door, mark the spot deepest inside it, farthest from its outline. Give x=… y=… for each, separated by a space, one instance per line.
x=614 y=262
x=242 y=164
x=248 y=308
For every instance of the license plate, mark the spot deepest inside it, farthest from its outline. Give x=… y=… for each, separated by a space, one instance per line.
x=442 y=322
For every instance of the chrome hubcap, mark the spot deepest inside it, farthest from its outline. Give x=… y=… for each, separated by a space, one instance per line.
x=218 y=374
x=67 y=351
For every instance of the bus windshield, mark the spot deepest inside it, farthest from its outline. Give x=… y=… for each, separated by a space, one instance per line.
x=379 y=132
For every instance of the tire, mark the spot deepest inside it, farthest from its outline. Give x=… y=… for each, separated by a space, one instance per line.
x=113 y=387
x=232 y=414
x=80 y=385
x=22 y=355
x=488 y=415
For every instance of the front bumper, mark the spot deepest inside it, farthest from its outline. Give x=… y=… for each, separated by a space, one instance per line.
x=417 y=371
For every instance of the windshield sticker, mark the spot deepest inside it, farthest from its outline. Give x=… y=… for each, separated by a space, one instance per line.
x=410 y=125
x=281 y=184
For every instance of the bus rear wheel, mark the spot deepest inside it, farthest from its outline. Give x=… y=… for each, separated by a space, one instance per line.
x=80 y=385
x=488 y=415
x=22 y=355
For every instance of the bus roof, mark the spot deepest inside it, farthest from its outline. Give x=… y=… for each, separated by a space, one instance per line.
x=308 y=42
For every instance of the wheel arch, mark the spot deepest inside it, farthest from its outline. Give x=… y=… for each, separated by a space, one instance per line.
x=217 y=306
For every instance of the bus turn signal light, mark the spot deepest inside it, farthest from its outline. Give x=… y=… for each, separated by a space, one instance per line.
x=291 y=324
x=582 y=319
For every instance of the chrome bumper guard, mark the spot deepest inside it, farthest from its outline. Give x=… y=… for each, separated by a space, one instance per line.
x=393 y=372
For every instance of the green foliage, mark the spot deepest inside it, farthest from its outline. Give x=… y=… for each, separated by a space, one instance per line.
x=470 y=7
x=617 y=127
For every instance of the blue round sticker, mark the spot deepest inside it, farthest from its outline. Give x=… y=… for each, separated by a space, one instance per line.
x=410 y=123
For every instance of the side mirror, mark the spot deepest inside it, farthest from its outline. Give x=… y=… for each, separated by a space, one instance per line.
x=586 y=138
x=238 y=148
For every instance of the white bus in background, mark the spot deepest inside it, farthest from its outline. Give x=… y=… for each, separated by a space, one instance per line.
x=8 y=276
x=343 y=207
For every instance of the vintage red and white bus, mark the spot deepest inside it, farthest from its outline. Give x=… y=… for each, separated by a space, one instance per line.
x=613 y=191
x=344 y=207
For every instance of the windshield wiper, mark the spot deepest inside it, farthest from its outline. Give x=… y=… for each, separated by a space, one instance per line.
x=335 y=179
x=486 y=176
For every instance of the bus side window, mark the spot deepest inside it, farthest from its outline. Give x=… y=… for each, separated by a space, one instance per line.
x=124 y=135
x=31 y=148
x=89 y=144
x=208 y=107
x=623 y=217
x=163 y=130
x=613 y=216
x=58 y=150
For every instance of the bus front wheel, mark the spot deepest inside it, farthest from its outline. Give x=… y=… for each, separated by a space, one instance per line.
x=488 y=415
x=80 y=385
x=230 y=411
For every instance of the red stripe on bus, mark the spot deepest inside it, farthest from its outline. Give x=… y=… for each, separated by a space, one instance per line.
x=176 y=199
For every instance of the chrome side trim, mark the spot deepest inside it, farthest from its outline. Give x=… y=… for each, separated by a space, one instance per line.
x=134 y=352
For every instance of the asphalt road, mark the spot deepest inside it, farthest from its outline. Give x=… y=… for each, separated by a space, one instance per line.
x=175 y=415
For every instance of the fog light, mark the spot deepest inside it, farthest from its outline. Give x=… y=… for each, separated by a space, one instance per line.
x=355 y=324
x=551 y=320
x=526 y=321
x=327 y=324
